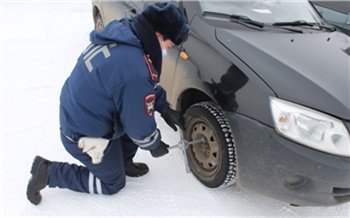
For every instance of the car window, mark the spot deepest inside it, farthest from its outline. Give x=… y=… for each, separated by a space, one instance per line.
x=340 y=6
x=336 y=17
x=266 y=11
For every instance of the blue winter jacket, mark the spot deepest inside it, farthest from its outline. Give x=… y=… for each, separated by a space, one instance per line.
x=113 y=90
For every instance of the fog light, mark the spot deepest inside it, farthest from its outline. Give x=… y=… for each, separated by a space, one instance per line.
x=296 y=181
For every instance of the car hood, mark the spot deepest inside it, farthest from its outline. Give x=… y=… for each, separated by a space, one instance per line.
x=310 y=69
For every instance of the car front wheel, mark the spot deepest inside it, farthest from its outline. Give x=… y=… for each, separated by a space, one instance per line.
x=213 y=162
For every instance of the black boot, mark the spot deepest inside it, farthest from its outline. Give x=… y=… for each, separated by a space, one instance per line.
x=136 y=169
x=40 y=178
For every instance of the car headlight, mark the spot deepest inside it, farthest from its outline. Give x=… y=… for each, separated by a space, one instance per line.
x=310 y=127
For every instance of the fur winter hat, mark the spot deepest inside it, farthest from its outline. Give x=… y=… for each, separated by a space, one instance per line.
x=167 y=19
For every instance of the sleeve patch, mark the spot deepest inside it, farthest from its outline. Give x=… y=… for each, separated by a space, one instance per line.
x=149 y=104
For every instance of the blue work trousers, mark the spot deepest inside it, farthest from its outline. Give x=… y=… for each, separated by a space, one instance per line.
x=107 y=177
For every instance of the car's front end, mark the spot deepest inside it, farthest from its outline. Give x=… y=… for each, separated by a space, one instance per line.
x=296 y=148
x=290 y=116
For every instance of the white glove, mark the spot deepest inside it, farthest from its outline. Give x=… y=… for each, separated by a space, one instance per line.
x=94 y=147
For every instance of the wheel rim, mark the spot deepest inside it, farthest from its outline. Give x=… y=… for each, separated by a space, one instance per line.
x=206 y=155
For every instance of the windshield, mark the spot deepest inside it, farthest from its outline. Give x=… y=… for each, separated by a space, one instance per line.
x=265 y=11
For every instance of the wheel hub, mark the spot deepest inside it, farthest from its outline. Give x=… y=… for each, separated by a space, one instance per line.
x=206 y=153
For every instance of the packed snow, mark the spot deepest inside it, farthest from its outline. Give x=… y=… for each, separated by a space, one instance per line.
x=40 y=43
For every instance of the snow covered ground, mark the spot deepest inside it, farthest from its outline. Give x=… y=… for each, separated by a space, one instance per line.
x=40 y=42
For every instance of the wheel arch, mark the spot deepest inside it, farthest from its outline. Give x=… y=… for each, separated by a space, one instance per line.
x=191 y=97
x=95 y=11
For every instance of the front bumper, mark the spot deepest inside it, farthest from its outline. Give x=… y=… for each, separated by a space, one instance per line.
x=274 y=166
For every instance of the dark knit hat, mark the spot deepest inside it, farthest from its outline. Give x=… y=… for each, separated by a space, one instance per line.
x=167 y=19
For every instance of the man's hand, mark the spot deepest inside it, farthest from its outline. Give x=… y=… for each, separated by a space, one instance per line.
x=161 y=150
x=173 y=117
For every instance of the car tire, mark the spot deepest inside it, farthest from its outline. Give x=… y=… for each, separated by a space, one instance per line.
x=99 y=22
x=214 y=162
